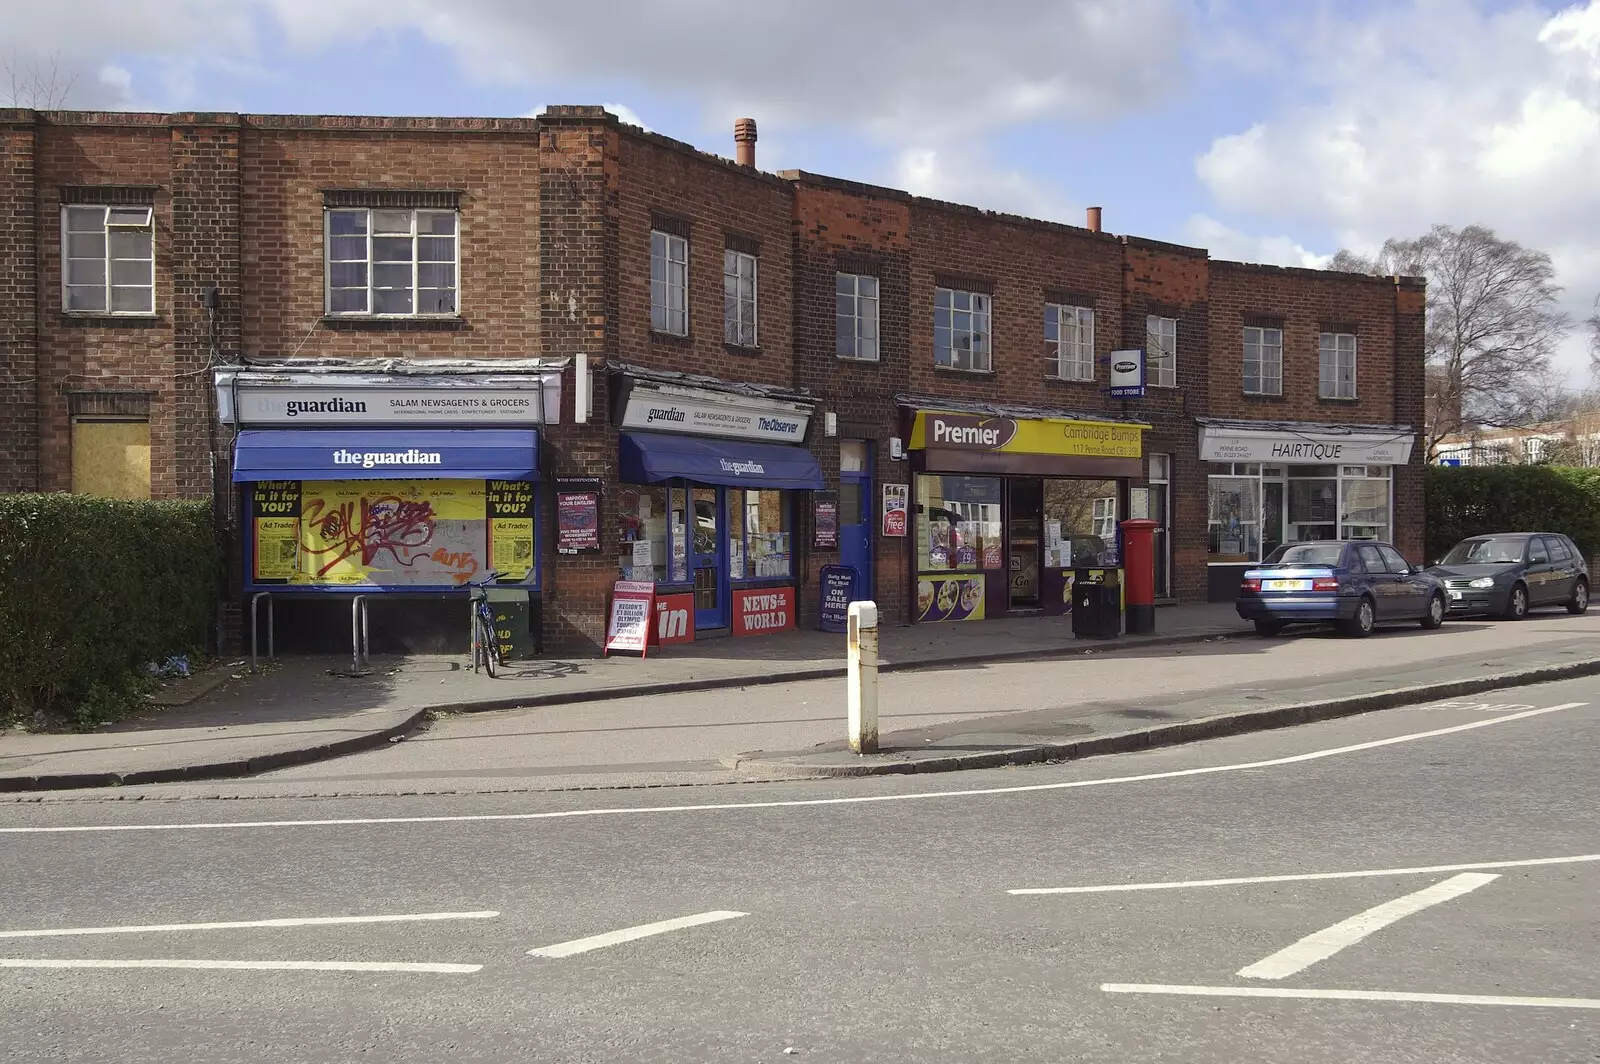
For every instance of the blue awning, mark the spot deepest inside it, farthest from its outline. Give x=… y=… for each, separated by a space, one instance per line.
x=386 y=454
x=649 y=457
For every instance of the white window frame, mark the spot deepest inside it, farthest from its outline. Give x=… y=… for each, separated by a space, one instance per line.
x=1263 y=350
x=1161 y=350
x=1339 y=385
x=1069 y=356
x=107 y=286
x=372 y=287
x=977 y=334
x=674 y=280
x=862 y=315
x=1103 y=512
x=741 y=270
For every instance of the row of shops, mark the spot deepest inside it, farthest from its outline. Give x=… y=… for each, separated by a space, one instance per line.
x=415 y=478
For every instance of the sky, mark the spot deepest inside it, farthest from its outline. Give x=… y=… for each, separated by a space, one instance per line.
x=1264 y=130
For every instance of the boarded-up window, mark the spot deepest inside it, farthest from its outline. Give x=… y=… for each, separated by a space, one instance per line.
x=111 y=458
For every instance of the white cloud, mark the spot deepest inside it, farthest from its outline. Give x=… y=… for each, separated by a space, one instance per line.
x=897 y=68
x=967 y=178
x=1432 y=111
x=627 y=114
x=1225 y=242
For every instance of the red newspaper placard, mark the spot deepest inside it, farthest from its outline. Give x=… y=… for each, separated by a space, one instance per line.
x=632 y=613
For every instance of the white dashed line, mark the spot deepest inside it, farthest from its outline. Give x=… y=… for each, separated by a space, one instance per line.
x=1350 y=995
x=629 y=934
x=222 y=925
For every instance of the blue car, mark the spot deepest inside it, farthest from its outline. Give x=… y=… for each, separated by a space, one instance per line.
x=1356 y=585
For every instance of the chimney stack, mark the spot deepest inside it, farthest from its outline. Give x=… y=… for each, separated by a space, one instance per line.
x=1094 y=219
x=744 y=141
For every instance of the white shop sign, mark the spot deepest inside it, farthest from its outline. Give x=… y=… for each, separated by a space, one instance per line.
x=389 y=406
x=714 y=414
x=1299 y=447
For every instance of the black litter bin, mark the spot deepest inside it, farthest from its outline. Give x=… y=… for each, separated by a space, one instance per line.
x=1096 y=607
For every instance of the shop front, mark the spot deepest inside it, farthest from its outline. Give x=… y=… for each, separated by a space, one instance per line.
x=393 y=480
x=707 y=504
x=1271 y=484
x=1008 y=503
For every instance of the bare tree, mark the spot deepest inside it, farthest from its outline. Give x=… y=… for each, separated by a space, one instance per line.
x=1493 y=324
x=35 y=82
x=1594 y=340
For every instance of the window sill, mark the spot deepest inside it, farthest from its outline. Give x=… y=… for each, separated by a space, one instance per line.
x=374 y=323
x=1070 y=380
x=742 y=349
x=1264 y=397
x=954 y=372
x=1338 y=399
x=675 y=339
x=854 y=361
x=97 y=320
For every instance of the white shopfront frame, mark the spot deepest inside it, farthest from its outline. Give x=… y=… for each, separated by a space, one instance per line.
x=1261 y=475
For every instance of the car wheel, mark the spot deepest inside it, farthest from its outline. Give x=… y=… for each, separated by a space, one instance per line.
x=1268 y=629
x=1366 y=619
x=1580 y=598
x=1435 y=615
x=1517 y=604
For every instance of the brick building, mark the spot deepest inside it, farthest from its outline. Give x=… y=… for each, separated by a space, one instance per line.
x=716 y=380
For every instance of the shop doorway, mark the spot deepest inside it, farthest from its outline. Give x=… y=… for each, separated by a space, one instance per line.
x=856 y=514
x=1025 y=498
x=708 y=558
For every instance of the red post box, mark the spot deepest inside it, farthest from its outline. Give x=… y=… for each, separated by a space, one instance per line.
x=1139 y=562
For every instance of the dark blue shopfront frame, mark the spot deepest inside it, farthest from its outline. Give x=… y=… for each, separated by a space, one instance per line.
x=386 y=454
x=651 y=457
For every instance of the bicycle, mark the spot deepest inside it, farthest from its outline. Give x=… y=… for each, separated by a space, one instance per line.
x=485 y=644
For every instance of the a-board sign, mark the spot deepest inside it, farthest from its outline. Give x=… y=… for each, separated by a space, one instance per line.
x=632 y=612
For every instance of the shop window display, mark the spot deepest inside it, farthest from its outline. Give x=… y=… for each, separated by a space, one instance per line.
x=642 y=520
x=958 y=523
x=1080 y=523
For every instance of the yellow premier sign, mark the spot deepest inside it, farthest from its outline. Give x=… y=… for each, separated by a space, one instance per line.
x=1007 y=435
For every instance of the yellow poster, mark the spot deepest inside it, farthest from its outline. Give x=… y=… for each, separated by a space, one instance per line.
x=511 y=528
x=277 y=547
x=392 y=532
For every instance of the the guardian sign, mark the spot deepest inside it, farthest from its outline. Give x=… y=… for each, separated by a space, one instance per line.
x=708 y=413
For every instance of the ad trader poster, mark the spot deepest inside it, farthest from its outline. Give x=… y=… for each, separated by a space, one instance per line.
x=391 y=533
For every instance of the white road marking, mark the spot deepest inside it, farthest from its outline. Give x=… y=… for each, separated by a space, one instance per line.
x=798 y=803
x=629 y=934
x=303 y=921
x=1351 y=995
x=256 y=966
x=1302 y=877
x=1319 y=946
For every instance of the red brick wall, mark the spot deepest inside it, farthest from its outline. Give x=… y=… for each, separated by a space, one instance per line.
x=1308 y=303
x=19 y=305
x=715 y=198
x=286 y=164
x=97 y=352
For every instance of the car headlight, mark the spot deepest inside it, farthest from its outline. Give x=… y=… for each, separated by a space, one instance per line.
x=1483 y=581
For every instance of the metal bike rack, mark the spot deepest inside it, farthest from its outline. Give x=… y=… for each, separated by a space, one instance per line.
x=360 y=646
x=255 y=602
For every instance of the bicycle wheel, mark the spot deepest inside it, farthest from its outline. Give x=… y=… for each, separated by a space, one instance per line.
x=487 y=647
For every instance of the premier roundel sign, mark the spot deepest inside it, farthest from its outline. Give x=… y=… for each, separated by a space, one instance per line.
x=1127 y=373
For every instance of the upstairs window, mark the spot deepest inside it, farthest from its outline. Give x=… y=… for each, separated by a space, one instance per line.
x=1337 y=362
x=961 y=330
x=669 y=283
x=1161 y=350
x=1263 y=361
x=856 y=316
x=1068 y=342
x=392 y=262
x=739 y=298
x=108 y=260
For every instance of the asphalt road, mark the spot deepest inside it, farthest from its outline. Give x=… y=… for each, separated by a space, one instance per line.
x=878 y=923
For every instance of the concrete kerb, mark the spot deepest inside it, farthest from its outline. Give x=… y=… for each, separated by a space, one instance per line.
x=1213 y=727
x=230 y=769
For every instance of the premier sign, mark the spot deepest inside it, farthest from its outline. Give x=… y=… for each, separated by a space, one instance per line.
x=970 y=431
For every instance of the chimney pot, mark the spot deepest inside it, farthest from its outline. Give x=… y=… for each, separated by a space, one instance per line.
x=744 y=140
x=1094 y=219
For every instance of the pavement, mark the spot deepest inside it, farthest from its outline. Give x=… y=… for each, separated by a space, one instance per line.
x=715 y=713
x=853 y=919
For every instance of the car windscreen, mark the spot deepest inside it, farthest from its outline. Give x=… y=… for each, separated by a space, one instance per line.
x=1491 y=551
x=1325 y=554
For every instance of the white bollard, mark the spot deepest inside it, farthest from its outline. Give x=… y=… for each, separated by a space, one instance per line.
x=862 y=634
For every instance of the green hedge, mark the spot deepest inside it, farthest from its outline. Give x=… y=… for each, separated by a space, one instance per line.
x=90 y=591
x=1469 y=501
